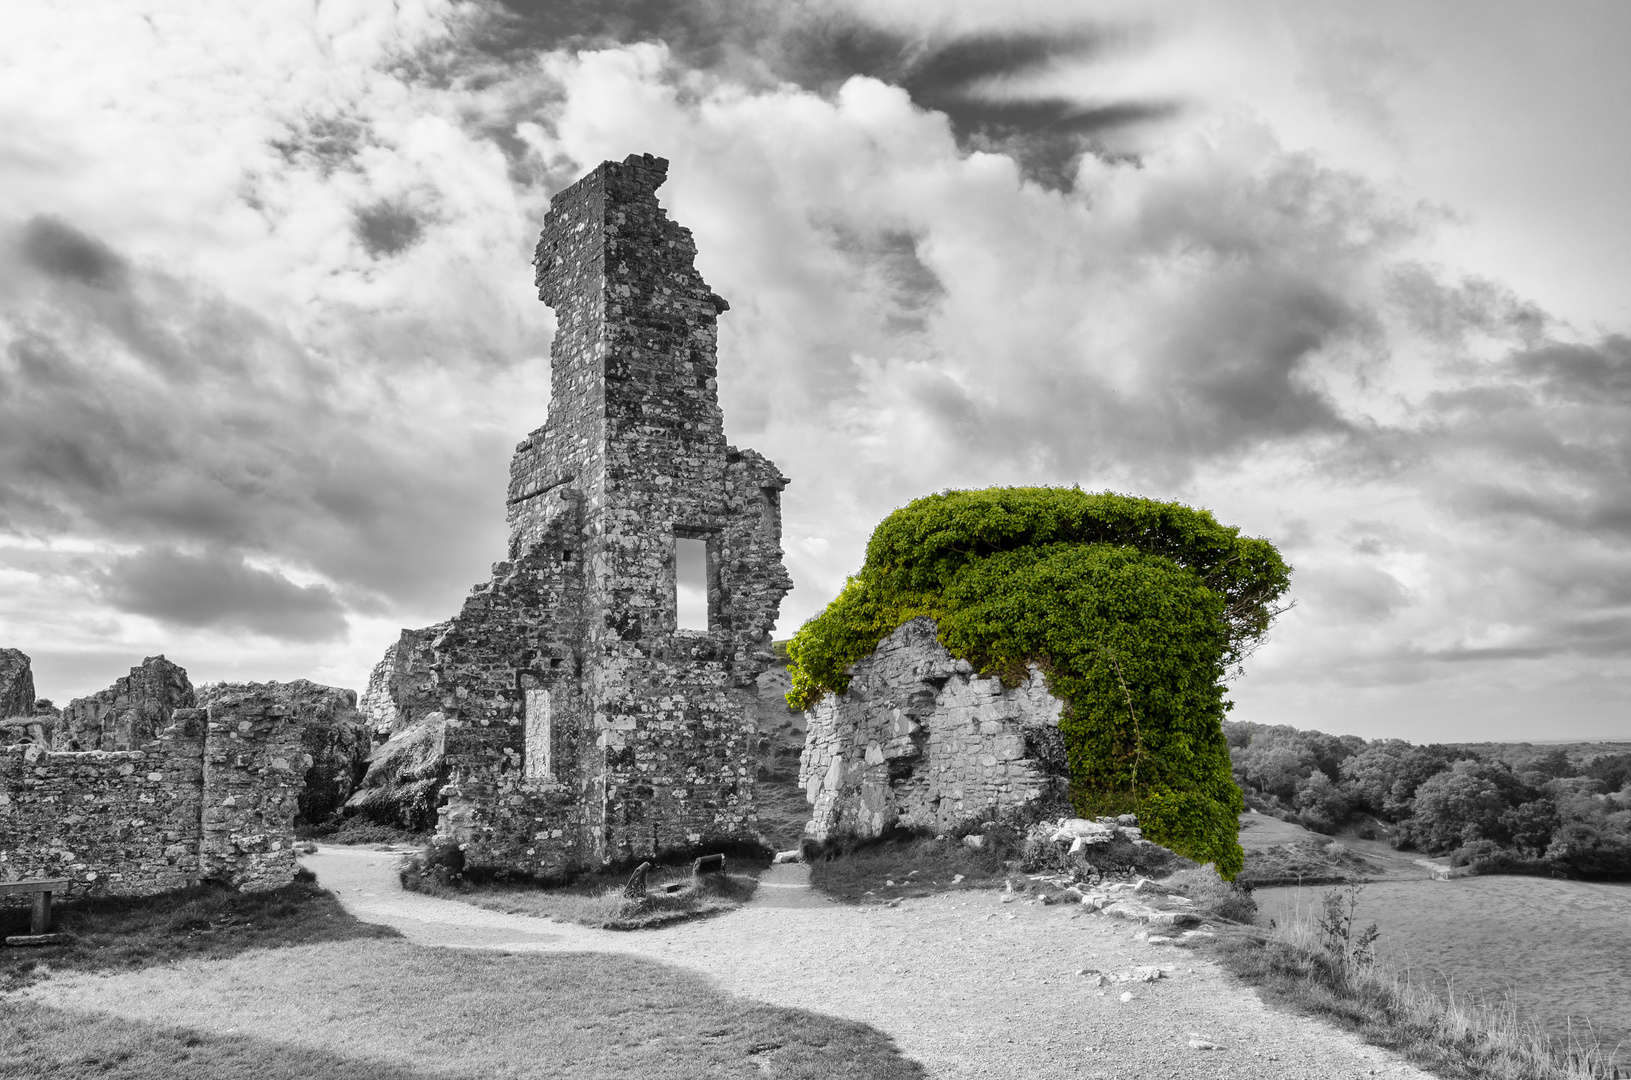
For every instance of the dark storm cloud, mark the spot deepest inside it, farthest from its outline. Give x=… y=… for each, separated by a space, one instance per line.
x=218 y=589
x=887 y=261
x=758 y=42
x=386 y=228
x=1554 y=421
x=157 y=413
x=57 y=248
x=326 y=142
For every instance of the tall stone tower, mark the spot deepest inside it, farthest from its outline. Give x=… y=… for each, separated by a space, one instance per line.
x=580 y=723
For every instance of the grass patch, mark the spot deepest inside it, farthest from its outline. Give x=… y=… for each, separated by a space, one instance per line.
x=358 y=830
x=595 y=900
x=783 y=810
x=1321 y=964
x=908 y=864
x=207 y=921
x=1305 y=862
x=389 y=1010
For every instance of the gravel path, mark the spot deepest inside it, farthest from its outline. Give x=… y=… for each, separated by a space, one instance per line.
x=966 y=984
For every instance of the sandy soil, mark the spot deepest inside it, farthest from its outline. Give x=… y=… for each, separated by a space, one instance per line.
x=966 y=984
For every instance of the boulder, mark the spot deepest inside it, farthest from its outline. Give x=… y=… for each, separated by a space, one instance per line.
x=403 y=784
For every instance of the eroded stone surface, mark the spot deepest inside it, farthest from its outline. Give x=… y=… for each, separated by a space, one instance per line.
x=576 y=724
x=177 y=787
x=16 y=684
x=334 y=739
x=129 y=713
x=921 y=741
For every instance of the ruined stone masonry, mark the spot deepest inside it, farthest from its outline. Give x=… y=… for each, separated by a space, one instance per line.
x=129 y=713
x=147 y=786
x=562 y=716
x=920 y=741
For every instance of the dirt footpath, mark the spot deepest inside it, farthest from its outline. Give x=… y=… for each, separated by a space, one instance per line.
x=966 y=984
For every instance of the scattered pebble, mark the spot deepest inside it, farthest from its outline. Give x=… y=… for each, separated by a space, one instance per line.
x=1126 y=995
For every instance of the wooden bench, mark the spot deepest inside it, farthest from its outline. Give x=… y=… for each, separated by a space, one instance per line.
x=39 y=931
x=708 y=864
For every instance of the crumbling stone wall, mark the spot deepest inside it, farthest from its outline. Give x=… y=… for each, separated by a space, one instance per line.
x=213 y=794
x=399 y=691
x=254 y=770
x=921 y=741
x=211 y=797
x=334 y=738
x=112 y=821
x=649 y=728
x=129 y=713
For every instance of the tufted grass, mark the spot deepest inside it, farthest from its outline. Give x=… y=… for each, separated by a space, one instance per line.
x=905 y=865
x=208 y=984
x=597 y=901
x=112 y=933
x=1294 y=965
x=389 y=1010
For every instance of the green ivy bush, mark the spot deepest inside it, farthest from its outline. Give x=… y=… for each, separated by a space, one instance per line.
x=1134 y=609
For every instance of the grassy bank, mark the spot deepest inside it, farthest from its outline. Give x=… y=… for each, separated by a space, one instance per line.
x=210 y=922
x=389 y=1010
x=594 y=900
x=285 y=985
x=907 y=865
x=1322 y=963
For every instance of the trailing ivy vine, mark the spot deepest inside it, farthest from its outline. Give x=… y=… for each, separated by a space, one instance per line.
x=1135 y=610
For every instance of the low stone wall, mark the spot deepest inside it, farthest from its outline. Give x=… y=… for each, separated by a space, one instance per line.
x=212 y=797
x=920 y=741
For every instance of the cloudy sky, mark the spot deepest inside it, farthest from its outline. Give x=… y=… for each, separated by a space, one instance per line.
x=1353 y=276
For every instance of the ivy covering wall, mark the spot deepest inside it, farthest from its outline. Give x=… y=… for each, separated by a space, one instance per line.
x=1136 y=610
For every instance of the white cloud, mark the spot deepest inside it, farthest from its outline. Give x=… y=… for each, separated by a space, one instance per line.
x=302 y=337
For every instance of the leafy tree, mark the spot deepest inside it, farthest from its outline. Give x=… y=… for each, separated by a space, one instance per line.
x=1590 y=851
x=1135 y=609
x=1276 y=768
x=1613 y=771
x=1319 y=798
x=1457 y=806
x=1531 y=825
x=1383 y=777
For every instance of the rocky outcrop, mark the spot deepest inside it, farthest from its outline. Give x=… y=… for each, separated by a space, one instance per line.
x=129 y=713
x=16 y=684
x=400 y=690
x=405 y=776
x=23 y=718
x=919 y=740
x=333 y=736
x=1094 y=850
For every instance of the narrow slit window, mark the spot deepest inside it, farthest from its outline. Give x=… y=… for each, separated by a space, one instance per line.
x=539 y=761
x=690 y=583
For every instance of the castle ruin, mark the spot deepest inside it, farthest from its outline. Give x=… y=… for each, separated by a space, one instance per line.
x=564 y=717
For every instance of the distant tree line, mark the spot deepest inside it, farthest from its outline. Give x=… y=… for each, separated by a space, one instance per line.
x=1514 y=808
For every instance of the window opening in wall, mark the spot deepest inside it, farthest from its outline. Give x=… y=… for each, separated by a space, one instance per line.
x=691 y=583
x=538 y=761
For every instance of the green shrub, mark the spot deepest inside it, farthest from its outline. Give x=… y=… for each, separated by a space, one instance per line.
x=1134 y=609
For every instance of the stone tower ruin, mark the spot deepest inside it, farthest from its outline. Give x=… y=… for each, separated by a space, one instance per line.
x=564 y=718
